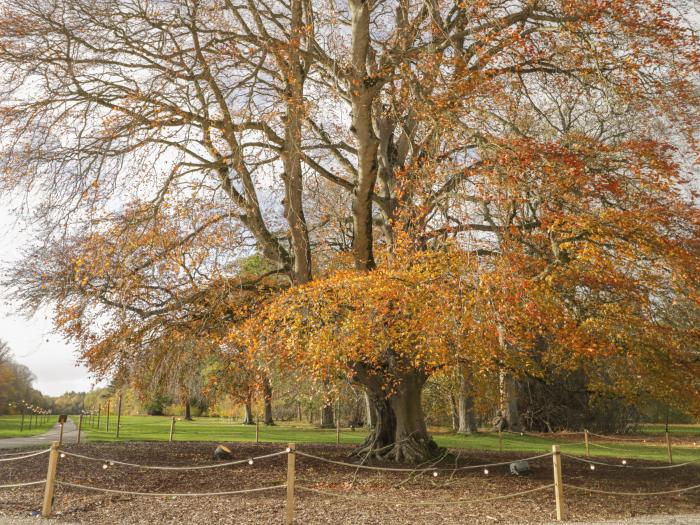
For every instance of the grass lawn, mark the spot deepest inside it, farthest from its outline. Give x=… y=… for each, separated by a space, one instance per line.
x=690 y=431
x=9 y=426
x=154 y=428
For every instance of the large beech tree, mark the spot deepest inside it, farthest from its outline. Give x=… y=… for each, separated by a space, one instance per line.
x=531 y=137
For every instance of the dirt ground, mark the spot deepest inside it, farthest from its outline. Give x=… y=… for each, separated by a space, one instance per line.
x=368 y=497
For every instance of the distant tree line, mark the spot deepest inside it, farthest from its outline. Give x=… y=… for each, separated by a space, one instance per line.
x=16 y=382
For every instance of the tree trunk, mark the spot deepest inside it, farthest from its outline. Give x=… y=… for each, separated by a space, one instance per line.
x=267 y=396
x=465 y=406
x=248 y=418
x=509 y=394
x=327 y=416
x=364 y=90
x=291 y=150
x=412 y=443
x=188 y=411
x=299 y=416
x=454 y=412
x=400 y=433
x=371 y=412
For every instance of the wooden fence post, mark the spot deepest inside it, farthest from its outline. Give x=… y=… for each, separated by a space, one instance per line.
x=291 y=457
x=119 y=415
x=668 y=446
x=172 y=428
x=50 y=480
x=80 y=427
x=558 y=483
x=585 y=439
x=60 y=436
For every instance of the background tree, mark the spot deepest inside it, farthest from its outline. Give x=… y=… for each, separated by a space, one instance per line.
x=472 y=129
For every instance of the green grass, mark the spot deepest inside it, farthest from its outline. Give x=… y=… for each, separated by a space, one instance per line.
x=154 y=428
x=9 y=426
x=690 y=431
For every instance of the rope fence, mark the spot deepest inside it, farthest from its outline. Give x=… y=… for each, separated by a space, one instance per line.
x=27 y=484
x=460 y=501
x=290 y=485
x=613 y=493
x=31 y=455
x=416 y=470
x=15 y=453
x=169 y=494
x=626 y=463
x=165 y=467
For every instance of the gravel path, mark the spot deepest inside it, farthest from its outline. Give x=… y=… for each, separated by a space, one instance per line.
x=70 y=435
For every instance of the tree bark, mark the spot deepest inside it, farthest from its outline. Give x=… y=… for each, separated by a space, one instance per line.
x=291 y=151
x=465 y=406
x=509 y=394
x=454 y=412
x=327 y=416
x=370 y=412
x=267 y=397
x=188 y=411
x=363 y=91
x=248 y=418
x=412 y=443
x=400 y=433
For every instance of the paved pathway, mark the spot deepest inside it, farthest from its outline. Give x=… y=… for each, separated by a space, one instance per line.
x=70 y=435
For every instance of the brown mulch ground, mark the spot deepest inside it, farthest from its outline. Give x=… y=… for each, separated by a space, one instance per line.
x=389 y=492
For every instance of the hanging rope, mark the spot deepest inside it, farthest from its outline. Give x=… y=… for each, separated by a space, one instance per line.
x=375 y=501
x=159 y=467
x=659 y=493
x=26 y=455
x=396 y=469
x=15 y=453
x=662 y=467
x=616 y=449
x=615 y=438
x=165 y=494
x=40 y=482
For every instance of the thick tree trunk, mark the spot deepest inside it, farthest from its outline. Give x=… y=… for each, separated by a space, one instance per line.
x=509 y=394
x=188 y=411
x=267 y=397
x=412 y=443
x=453 y=412
x=364 y=90
x=299 y=416
x=291 y=150
x=327 y=416
x=465 y=406
x=400 y=433
x=370 y=412
x=248 y=418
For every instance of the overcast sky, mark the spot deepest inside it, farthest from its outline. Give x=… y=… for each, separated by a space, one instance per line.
x=33 y=341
